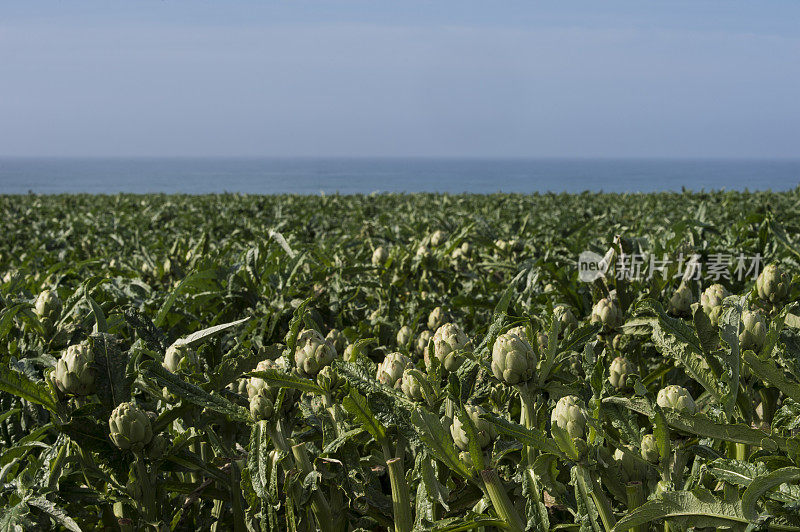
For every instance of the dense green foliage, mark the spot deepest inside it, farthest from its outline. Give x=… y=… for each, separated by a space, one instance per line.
x=418 y=362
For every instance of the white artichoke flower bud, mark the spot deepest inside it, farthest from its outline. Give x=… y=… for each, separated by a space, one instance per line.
x=421 y=347
x=75 y=373
x=677 y=398
x=258 y=386
x=404 y=336
x=484 y=430
x=650 y=449
x=337 y=339
x=391 y=369
x=448 y=339
x=261 y=407
x=773 y=284
x=680 y=304
x=436 y=318
x=312 y=353
x=567 y=320
x=621 y=368
x=607 y=312
x=711 y=301
x=753 y=330
x=410 y=385
x=379 y=256
x=179 y=356
x=438 y=238
x=513 y=359
x=48 y=306
x=569 y=415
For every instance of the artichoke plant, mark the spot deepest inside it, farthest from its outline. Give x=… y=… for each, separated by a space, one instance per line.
x=618 y=373
x=130 y=427
x=404 y=336
x=379 y=256
x=438 y=238
x=447 y=341
x=677 y=398
x=607 y=312
x=179 y=357
x=650 y=448
x=312 y=353
x=753 y=330
x=337 y=339
x=680 y=304
x=711 y=301
x=391 y=369
x=569 y=415
x=513 y=359
x=484 y=430
x=75 y=373
x=436 y=318
x=773 y=284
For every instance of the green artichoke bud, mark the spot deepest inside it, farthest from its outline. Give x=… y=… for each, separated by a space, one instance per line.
x=404 y=336
x=179 y=357
x=627 y=465
x=130 y=427
x=380 y=256
x=313 y=352
x=410 y=385
x=569 y=415
x=677 y=398
x=391 y=369
x=239 y=387
x=621 y=368
x=258 y=386
x=261 y=407
x=438 y=238
x=75 y=373
x=423 y=253
x=329 y=380
x=484 y=430
x=337 y=339
x=157 y=447
x=436 y=318
x=48 y=307
x=513 y=359
x=421 y=347
x=607 y=312
x=680 y=304
x=711 y=301
x=519 y=330
x=773 y=284
x=754 y=331
x=650 y=449
x=350 y=353
x=542 y=341
x=448 y=339
x=567 y=320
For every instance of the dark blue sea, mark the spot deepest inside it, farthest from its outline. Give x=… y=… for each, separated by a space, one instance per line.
x=351 y=176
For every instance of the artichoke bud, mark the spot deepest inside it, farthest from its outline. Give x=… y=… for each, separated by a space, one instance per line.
x=680 y=304
x=379 y=256
x=391 y=369
x=711 y=301
x=484 y=430
x=404 y=336
x=621 y=368
x=313 y=352
x=753 y=331
x=179 y=357
x=650 y=449
x=410 y=385
x=337 y=339
x=436 y=318
x=569 y=415
x=566 y=319
x=48 y=307
x=773 y=284
x=438 y=238
x=130 y=427
x=157 y=447
x=261 y=407
x=607 y=312
x=329 y=380
x=677 y=398
x=258 y=386
x=75 y=373
x=421 y=347
x=513 y=359
x=447 y=341
x=627 y=465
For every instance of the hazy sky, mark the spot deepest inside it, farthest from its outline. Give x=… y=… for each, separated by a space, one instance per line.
x=428 y=78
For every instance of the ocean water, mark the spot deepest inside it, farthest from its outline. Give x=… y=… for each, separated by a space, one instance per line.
x=352 y=176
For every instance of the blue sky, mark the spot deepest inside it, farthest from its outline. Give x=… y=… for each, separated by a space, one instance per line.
x=413 y=78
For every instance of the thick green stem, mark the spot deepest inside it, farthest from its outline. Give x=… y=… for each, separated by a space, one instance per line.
x=148 y=495
x=502 y=504
x=602 y=503
x=401 y=500
x=635 y=495
x=319 y=503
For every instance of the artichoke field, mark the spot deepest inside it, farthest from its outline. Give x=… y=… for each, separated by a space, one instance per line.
x=399 y=362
